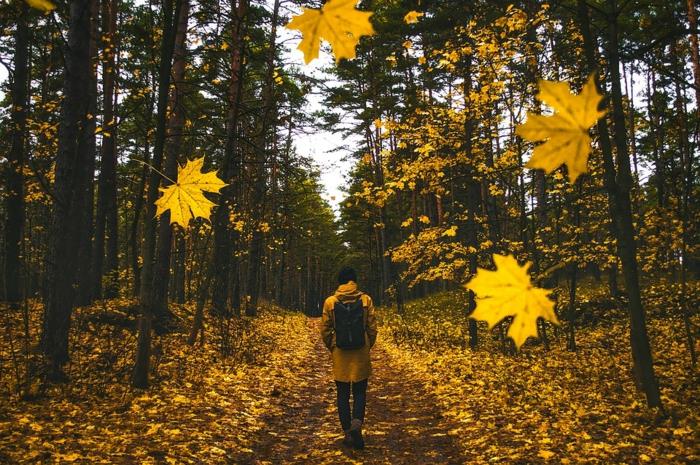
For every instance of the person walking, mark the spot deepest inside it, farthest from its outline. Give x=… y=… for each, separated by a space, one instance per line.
x=349 y=331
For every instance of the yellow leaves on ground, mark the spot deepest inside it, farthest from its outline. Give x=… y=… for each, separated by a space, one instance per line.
x=412 y=17
x=43 y=5
x=338 y=22
x=566 y=131
x=508 y=291
x=549 y=406
x=202 y=404
x=185 y=198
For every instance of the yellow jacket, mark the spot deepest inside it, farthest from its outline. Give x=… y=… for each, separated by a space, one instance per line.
x=354 y=364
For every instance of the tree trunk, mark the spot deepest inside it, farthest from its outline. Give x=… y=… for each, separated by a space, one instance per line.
x=230 y=171
x=573 y=271
x=688 y=181
x=571 y=312
x=69 y=188
x=161 y=269
x=149 y=242
x=618 y=186
x=85 y=275
x=106 y=218
x=387 y=266
x=14 y=203
x=641 y=350
x=259 y=174
x=143 y=349
x=539 y=179
x=180 y=263
x=473 y=202
x=138 y=206
x=656 y=155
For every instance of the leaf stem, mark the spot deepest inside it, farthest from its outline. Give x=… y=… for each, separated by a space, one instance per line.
x=551 y=270
x=154 y=169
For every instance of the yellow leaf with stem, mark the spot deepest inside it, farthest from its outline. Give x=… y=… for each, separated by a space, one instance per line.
x=185 y=198
x=338 y=22
x=566 y=131
x=508 y=291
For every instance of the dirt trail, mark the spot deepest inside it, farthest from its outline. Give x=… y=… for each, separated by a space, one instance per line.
x=403 y=424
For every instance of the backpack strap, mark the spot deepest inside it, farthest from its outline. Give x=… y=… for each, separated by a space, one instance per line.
x=364 y=307
x=365 y=313
x=337 y=301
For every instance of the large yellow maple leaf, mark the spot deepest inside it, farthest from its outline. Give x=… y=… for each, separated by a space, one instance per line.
x=566 y=131
x=185 y=198
x=338 y=22
x=508 y=291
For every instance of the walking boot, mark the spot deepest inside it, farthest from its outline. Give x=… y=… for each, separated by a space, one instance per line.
x=358 y=441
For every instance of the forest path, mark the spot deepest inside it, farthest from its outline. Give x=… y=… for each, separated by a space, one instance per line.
x=403 y=422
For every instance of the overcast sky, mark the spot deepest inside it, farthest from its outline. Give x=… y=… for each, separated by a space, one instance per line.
x=320 y=145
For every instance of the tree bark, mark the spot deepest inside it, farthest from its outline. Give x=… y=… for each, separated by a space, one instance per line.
x=473 y=201
x=85 y=275
x=179 y=265
x=259 y=174
x=134 y=228
x=618 y=181
x=161 y=270
x=223 y=235
x=14 y=204
x=69 y=188
x=106 y=218
x=146 y=296
x=687 y=187
x=149 y=242
x=641 y=350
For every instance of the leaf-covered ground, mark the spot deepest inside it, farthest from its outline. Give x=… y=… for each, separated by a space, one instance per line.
x=275 y=405
x=552 y=406
x=200 y=409
x=431 y=399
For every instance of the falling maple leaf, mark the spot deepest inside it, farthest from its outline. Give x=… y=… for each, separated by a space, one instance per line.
x=338 y=22
x=185 y=198
x=566 y=131
x=508 y=291
x=43 y=5
x=412 y=17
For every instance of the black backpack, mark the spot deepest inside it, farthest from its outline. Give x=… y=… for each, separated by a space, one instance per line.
x=349 y=324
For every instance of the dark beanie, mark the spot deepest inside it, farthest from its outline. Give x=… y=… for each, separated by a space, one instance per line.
x=346 y=274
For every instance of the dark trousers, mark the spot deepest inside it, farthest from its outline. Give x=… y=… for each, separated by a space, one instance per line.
x=359 y=398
